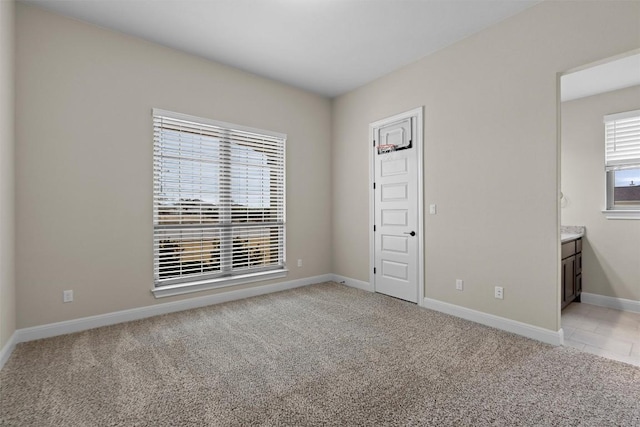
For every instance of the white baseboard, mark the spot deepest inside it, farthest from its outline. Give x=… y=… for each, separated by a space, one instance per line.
x=611 y=302
x=353 y=283
x=513 y=326
x=84 y=323
x=6 y=351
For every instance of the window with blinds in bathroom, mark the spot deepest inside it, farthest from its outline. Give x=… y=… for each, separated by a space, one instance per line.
x=622 y=160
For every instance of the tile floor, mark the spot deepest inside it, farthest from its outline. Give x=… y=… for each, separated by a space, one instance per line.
x=603 y=331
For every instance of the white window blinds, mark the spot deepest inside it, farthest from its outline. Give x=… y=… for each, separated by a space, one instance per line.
x=622 y=140
x=218 y=199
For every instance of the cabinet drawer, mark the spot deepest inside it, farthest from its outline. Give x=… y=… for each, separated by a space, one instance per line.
x=568 y=249
x=578 y=245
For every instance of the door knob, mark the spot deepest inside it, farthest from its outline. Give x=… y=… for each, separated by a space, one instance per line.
x=413 y=233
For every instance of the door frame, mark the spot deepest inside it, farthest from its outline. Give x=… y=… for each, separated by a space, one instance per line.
x=417 y=114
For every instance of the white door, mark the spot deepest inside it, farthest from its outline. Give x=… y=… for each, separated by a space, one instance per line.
x=396 y=209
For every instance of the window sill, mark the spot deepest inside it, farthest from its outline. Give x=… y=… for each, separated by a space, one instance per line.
x=622 y=214
x=204 y=285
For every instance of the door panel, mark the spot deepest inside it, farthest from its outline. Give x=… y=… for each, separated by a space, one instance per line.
x=394 y=192
x=392 y=167
x=394 y=243
x=395 y=270
x=394 y=217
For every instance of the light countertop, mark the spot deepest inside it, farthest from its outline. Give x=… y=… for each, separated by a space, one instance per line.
x=567 y=237
x=571 y=232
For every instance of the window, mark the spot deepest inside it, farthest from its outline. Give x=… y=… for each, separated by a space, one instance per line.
x=622 y=160
x=218 y=204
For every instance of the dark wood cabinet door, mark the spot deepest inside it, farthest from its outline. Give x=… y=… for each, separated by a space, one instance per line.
x=568 y=280
x=567 y=249
x=571 y=285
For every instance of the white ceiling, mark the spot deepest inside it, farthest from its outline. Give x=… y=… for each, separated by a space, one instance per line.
x=325 y=46
x=611 y=75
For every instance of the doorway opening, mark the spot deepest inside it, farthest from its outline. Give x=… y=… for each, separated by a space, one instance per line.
x=599 y=165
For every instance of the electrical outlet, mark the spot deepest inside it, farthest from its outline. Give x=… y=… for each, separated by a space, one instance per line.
x=299 y=263
x=67 y=296
x=459 y=284
x=499 y=292
x=433 y=209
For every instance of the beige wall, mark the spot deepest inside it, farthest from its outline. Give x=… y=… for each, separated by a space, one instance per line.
x=84 y=160
x=611 y=253
x=7 y=205
x=491 y=156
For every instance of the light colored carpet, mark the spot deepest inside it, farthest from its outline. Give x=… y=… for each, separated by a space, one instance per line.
x=319 y=355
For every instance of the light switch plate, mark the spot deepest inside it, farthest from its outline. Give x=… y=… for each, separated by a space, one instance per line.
x=67 y=296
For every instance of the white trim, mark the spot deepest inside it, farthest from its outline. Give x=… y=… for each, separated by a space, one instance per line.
x=215 y=123
x=558 y=203
x=203 y=285
x=611 y=302
x=534 y=332
x=621 y=116
x=6 y=351
x=601 y=62
x=418 y=114
x=352 y=283
x=84 y=323
x=621 y=214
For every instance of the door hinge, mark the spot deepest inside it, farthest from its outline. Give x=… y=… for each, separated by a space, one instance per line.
x=374 y=270
x=374 y=185
x=374 y=142
x=374 y=227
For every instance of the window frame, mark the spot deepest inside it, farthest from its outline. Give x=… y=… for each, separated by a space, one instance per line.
x=226 y=225
x=613 y=210
x=611 y=206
